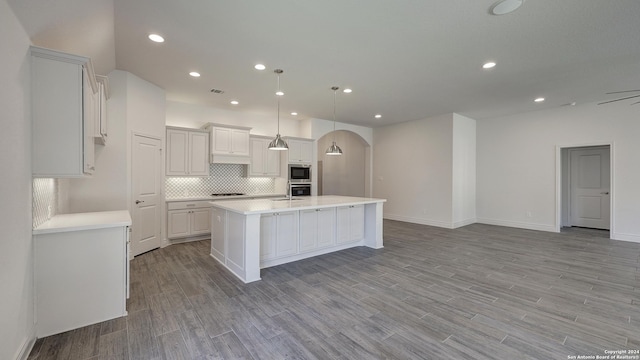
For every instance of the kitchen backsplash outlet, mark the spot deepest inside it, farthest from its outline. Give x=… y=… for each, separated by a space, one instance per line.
x=45 y=200
x=225 y=178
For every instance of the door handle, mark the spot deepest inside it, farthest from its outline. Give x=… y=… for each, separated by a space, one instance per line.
x=139 y=201
x=605 y=193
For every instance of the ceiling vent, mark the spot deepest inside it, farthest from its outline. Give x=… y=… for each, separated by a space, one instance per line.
x=217 y=91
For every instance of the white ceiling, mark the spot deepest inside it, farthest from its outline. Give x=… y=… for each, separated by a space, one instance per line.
x=404 y=59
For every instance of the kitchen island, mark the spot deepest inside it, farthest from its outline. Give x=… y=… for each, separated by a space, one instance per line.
x=247 y=235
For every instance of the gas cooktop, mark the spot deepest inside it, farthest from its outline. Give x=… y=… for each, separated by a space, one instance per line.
x=227 y=194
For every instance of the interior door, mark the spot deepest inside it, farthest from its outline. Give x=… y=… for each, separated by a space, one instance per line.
x=590 y=198
x=146 y=192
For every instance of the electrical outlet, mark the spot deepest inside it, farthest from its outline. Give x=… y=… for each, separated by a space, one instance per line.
x=49 y=211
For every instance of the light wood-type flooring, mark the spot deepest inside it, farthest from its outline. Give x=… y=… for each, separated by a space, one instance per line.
x=478 y=292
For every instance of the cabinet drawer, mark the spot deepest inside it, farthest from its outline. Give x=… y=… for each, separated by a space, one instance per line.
x=180 y=205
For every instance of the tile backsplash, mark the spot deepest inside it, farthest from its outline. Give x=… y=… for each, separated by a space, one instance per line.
x=224 y=178
x=45 y=200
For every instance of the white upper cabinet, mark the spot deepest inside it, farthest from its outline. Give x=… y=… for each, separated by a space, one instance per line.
x=300 y=150
x=64 y=99
x=264 y=162
x=100 y=128
x=229 y=144
x=187 y=152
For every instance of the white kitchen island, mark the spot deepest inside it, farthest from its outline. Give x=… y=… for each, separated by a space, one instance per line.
x=247 y=235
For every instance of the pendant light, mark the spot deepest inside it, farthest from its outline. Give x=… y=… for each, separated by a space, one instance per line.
x=278 y=143
x=334 y=149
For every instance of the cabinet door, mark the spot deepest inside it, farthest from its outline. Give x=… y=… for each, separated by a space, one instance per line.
x=308 y=230
x=300 y=151
x=177 y=152
x=306 y=151
x=326 y=225
x=257 y=167
x=342 y=225
x=220 y=140
x=179 y=223
x=200 y=221
x=294 y=151
x=272 y=161
x=268 y=236
x=240 y=142
x=356 y=222
x=103 y=111
x=287 y=234
x=89 y=101
x=198 y=151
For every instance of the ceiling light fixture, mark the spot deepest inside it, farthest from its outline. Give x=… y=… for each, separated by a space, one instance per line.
x=294 y=113
x=259 y=67
x=234 y=102
x=489 y=65
x=347 y=91
x=503 y=7
x=194 y=74
x=278 y=143
x=539 y=100
x=156 y=38
x=334 y=149
x=377 y=116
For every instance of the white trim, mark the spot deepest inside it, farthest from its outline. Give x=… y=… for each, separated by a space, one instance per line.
x=558 y=209
x=466 y=222
x=27 y=344
x=518 y=224
x=625 y=237
x=421 y=221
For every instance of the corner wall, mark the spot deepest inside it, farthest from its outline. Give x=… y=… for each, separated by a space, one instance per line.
x=464 y=171
x=517 y=164
x=16 y=245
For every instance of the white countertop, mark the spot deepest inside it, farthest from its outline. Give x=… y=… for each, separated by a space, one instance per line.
x=84 y=221
x=265 y=206
x=218 y=198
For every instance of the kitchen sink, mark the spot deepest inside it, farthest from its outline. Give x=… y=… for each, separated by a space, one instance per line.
x=286 y=199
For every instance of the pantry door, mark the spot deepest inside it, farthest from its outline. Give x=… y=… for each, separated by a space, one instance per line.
x=146 y=175
x=590 y=197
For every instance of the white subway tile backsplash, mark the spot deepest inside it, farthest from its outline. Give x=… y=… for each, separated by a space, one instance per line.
x=45 y=200
x=225 y=178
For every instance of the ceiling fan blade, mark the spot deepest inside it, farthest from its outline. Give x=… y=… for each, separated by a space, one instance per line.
x=624 y=98
x=620 y=92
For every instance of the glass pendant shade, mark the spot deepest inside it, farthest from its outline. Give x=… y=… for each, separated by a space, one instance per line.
x=278 y=143
x=334 y=149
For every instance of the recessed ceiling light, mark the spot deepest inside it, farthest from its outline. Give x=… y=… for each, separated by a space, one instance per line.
x=378 y=116
x=279 y=93
x=156 y=38
x=505 y=6
x=194 y=74
x=489 y=65
x=538 y=100
x=234 y=102
x=347 y=91
x=260 y=67
x=294 y=113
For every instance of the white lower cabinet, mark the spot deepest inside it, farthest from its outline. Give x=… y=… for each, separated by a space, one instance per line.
x=317 y=228
x=350 y=224
x=189 y=218
x=278 y=235
x=81 y=278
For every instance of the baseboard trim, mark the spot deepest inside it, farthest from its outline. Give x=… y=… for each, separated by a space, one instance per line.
x=517 y=224
x=466 y=222
x=27 y=344
x=626 y=237
x=437 y=223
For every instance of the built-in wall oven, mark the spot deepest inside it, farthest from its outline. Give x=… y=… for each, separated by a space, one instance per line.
x=300 y=189
x=299 y=173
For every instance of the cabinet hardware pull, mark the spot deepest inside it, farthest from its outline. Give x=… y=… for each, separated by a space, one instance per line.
x=139 y=201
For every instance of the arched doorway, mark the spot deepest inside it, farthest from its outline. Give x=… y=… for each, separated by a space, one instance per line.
x=348 y=174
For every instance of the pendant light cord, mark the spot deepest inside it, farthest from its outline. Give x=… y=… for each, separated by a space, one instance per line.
x=335 y=90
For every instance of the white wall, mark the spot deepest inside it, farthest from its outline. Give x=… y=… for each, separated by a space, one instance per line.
x=516 y=160
x=464 y=171
x=194 y=116
x=16 y=245
x=413 y=170
x=345 y=174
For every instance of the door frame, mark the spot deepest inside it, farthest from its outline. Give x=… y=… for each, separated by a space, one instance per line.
x=559 y=180
x=163 y=210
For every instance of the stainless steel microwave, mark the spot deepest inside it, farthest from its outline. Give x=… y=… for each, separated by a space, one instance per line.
x=299 y=173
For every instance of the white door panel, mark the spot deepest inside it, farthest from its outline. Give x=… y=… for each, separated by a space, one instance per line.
x=146 y=192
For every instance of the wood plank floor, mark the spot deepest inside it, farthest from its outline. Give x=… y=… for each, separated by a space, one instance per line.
x=478 y=292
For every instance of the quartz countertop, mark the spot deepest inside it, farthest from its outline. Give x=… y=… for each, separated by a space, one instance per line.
x=265 y=206
x=84 y=221
x=217 y=198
